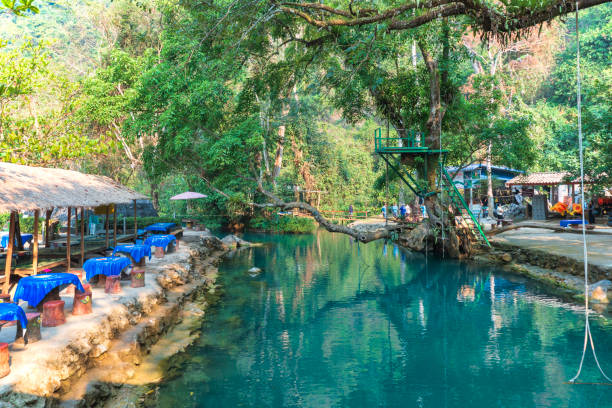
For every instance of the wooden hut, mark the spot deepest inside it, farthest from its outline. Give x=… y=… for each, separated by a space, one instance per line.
x=36 y=189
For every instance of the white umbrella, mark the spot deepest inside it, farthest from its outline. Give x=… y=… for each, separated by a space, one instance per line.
x=187 y=195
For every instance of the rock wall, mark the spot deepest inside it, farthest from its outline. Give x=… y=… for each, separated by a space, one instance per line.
x=549 y=261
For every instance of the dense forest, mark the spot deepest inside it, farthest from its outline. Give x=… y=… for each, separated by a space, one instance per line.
x=224 y=97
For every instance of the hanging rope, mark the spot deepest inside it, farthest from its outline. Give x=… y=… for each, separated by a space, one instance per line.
x=441 y=193
x=588 y=336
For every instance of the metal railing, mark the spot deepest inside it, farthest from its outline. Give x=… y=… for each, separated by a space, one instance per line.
x=412 y=140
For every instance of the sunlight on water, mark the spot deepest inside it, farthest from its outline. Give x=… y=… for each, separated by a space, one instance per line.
x=334 y=324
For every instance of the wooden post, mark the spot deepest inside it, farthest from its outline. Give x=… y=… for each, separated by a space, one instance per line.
x=9 y=254
x=106 y=225
x=47 y=218
x=135 y=223
x=114 y=225
x=82 y=235
x=35 y=242
x=68 y=241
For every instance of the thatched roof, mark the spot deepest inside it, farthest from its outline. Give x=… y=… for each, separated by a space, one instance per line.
x=25 y=188
x=548 y=178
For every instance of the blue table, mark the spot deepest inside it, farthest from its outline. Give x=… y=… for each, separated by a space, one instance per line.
x=137 y=252
x=567 y=223
x=11 y=311
x=109 y=266
x=24 y=238
x=161 y=241
x=34 y=288
x=160 y=227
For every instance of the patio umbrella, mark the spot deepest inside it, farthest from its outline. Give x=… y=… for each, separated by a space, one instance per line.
x=187 y=195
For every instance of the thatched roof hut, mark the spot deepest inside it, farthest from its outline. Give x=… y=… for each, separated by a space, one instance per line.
x=26 y=188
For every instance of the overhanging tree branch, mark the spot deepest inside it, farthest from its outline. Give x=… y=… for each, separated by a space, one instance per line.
x=276 y=202
x=487 y=18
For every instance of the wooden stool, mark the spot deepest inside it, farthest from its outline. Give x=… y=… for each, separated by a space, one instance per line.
x=138 y=278
x=33 y=330
x=5 y=298
x=83 y=302
x=113 y=285
x=54 y=294
x=70 y=289
x=101 y=281
x=53 y=313
x=5 y=368
x=159 y=252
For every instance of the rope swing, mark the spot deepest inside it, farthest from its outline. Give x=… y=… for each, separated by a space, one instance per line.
x=588 y=337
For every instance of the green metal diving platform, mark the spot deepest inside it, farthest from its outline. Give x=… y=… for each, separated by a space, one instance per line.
x=391 y=149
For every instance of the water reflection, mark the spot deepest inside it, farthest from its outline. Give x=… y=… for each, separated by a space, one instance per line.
x=337 y=323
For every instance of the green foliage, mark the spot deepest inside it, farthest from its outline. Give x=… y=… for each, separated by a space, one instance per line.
x=283 y=224
x=36 y=122
x=198 y=103
x=555 y=126
x=19 y=8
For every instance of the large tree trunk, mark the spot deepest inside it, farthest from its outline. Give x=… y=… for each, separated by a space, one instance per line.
x=439 y=231
x=278 y=161
x=155 y=195
x=490 y=198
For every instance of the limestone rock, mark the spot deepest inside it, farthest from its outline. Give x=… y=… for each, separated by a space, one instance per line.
x=254 y=271
x=599 y=294
x=211 y=242
x=234 y=241
x=599 y=290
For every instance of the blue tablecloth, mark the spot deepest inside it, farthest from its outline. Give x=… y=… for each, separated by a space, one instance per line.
x=24 y=238
x=108 y=266
x=567 y=223
x=160 y=226
x=160 y=240
x=11 y=311
x=137 y=252
x=33 y=289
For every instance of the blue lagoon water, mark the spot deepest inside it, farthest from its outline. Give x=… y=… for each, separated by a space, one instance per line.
x=332 y=323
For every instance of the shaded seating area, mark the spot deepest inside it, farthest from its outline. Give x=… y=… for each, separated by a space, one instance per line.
x=25 y=239
x=162 y=244
x=163 y=228
x=41 y=190
x=108 y=271
x=137 y=253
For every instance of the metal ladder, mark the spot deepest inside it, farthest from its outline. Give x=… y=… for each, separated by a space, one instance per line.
x=459 y=203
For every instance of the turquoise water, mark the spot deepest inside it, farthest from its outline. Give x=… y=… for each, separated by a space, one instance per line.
x=335 y=324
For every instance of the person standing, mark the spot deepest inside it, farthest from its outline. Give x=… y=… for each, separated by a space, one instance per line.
x=518 y=197
x=403 y=211
x=384 y=211
x=591 y=212
x=350 y=210
x=394 y=209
